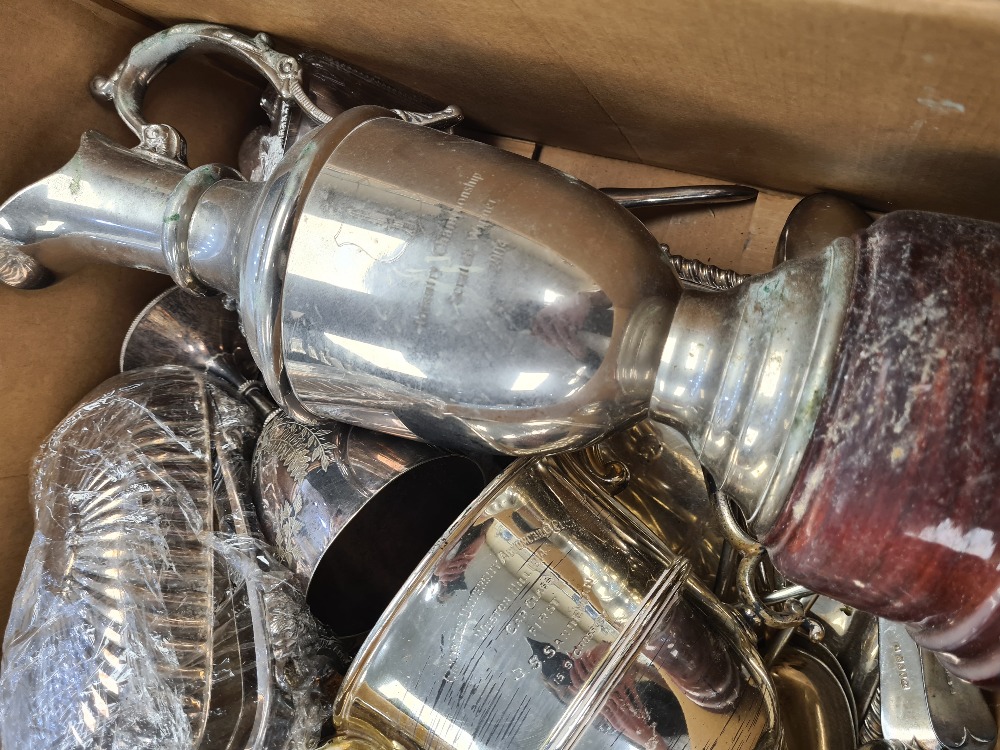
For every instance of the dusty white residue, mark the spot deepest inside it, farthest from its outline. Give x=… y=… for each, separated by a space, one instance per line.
x=912 y=330
x=946 y=106
x=935 y=306
x=927 y=57
x=799 y=509
x=844 y=429
x=978 y=542
x=812 y=483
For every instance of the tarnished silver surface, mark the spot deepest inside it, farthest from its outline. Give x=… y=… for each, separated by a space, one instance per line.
x=743 y=373
x=446 y=118
x=922 y=704
x=547 y=617
x=699 y=274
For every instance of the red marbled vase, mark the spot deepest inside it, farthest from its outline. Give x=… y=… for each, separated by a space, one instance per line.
x=895 y=508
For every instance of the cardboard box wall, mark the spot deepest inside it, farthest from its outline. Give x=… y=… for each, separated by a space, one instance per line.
x=894 y=103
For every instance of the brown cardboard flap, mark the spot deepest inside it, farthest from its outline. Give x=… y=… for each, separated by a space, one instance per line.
x=888 y=100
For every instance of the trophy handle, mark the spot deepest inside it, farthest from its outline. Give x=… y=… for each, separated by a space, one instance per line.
x=126 y=87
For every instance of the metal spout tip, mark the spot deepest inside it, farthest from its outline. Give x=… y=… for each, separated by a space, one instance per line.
x=20 y=270
x=102 y=88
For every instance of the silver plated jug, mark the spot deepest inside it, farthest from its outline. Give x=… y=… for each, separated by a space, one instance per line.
x=395 y=276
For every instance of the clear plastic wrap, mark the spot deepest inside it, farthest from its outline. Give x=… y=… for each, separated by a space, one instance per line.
x=149 y=614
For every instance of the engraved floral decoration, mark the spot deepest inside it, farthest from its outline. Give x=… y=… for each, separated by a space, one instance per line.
x=296 y=448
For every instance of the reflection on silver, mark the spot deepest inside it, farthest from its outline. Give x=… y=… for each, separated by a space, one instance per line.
x=680 y=196
x=546 y=616
x=816 y=706
x=20 y=270
x=335 y=86
x=180 y=329
x=351 y=512
x=852 y=637
x=815 y=222
x=704 y=275
x=434 y=294
x=461 y=293
x=921 y=703
x=666 y=491
x=126 y=87
x=123 y=603
x=737 y=365
x=146 y=614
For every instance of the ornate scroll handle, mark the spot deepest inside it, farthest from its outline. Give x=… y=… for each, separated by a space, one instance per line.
x=753 y=555
x=126 y=87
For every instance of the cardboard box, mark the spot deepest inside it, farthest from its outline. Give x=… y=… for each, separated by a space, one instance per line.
x=890 y=102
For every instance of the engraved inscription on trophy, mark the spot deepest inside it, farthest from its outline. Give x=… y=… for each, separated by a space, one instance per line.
x=439 y=262
x=900 y=661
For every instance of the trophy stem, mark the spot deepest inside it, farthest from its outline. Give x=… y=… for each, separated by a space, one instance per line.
x=744 y=371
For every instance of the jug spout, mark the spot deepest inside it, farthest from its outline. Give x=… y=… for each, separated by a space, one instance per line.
x=108 y=199
x=123 y=207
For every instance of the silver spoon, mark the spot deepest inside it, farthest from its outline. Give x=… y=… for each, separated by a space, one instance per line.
x=815 y=222
x=922 y=704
